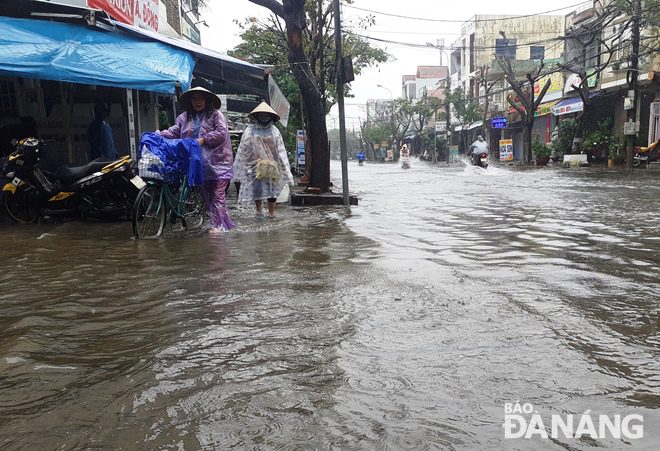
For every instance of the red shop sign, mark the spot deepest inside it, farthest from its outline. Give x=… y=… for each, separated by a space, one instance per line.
x=122 y=10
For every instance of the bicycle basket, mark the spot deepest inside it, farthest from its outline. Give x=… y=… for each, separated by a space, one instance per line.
x=150 y=166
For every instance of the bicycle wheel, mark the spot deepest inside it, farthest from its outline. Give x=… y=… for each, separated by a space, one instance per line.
x=149 y=212
x=194 y=208
x=18 y=206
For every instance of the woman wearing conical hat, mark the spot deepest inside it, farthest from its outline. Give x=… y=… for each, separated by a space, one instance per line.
x=203 y=121
x=261 y=163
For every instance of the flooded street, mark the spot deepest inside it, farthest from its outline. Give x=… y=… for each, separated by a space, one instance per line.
x=408 y=322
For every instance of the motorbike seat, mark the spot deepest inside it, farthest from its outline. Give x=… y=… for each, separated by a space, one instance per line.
x=68 y=174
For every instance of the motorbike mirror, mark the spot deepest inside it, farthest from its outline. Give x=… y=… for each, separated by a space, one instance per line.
x=14 y=142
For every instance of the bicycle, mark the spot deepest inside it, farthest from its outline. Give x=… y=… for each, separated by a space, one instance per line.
x=159 y=200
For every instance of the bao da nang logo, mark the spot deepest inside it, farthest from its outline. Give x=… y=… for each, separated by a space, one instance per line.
x=522 y=421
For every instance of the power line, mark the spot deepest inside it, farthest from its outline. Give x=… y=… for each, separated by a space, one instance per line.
x=485 y=47
x=463 y=21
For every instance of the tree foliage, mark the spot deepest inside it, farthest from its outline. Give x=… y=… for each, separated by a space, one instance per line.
x=265 y=42
x=297 y=33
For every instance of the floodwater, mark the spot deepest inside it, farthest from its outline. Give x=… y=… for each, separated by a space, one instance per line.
x=412 y=321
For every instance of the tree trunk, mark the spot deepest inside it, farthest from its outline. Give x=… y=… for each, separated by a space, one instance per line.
x=317 y=134
x=527 y=142
x=293 y=13
x=580 y=124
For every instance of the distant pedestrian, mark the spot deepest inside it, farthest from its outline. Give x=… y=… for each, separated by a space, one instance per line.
x=99 y=134
x=261 y=165
x=203 y=121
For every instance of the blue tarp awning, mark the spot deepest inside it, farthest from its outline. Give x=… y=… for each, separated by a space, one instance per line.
x=75 y=53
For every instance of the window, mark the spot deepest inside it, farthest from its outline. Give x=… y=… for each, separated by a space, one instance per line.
x=8 y=103
x=536 y=52
x=505 y=48
x=411 y=91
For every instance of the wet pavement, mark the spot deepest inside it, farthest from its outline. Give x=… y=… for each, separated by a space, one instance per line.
x=408 y=322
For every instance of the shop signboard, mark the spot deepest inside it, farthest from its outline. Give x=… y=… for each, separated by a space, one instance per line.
x=139 y=13
x=300 y=150
x=556 y=82
x=506 y=149
x=544 y=109
x=453 y=153
x=146 y=15
x=499 y=122
x=574 y=81
x=122 y=10
x=278 y=101
x=188 y=30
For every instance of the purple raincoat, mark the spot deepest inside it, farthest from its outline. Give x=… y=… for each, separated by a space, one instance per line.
x=217 y=158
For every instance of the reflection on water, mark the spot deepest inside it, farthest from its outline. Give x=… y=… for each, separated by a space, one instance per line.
x=405 y=323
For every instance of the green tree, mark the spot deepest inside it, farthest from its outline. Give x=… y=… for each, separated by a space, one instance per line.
x=419 y=113
x=466 y=112
x=374 y=135
x=298 y=37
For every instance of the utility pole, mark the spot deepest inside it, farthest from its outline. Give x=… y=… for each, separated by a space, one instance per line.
x=448 y=110
x=439 y=45
x=633 y=74
x=340 y=103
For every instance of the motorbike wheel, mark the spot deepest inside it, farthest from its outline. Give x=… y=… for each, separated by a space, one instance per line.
x=115 y=203
x=149 y=213
x=194 y=208
x=637 y=163
x=18 y=206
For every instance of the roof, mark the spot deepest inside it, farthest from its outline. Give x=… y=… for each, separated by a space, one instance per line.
x=431 y=72
x=408 y=78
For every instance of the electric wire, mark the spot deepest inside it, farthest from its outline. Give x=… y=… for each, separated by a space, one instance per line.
x=426 y=19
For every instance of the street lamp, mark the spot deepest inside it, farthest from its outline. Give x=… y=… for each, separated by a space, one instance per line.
x=391 y=117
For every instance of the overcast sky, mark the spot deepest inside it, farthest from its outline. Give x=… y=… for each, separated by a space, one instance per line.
x=431 y=20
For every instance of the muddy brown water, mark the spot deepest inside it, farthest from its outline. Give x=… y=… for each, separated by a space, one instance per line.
x=407 y=322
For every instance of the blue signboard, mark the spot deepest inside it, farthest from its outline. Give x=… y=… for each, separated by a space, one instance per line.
x=499 y=122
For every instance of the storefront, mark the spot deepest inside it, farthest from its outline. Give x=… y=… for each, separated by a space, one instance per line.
x=54 y=68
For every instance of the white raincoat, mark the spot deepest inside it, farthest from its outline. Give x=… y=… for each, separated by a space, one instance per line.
x=261 y=147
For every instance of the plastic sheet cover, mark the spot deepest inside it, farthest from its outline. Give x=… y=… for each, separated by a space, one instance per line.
x=178 y=156
x=74 y=53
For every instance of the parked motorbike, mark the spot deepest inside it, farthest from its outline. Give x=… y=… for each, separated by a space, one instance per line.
x=480 y=160
x=103 y=188
x=646 y=155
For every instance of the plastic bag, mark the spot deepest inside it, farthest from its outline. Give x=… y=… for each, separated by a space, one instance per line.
x=266 y=170
x=150 y=166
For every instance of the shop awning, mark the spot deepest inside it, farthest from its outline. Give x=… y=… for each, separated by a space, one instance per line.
x=75 y=53
x=570 y=105
x=219 y=73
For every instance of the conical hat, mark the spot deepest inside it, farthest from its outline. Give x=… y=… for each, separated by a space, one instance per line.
x=263 y=107
x=186 y=98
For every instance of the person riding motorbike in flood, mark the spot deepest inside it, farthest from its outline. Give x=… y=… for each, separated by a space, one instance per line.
x=477 y=150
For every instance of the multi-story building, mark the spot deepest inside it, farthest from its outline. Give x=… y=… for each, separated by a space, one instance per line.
x=424 y=82
x=525 y=41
